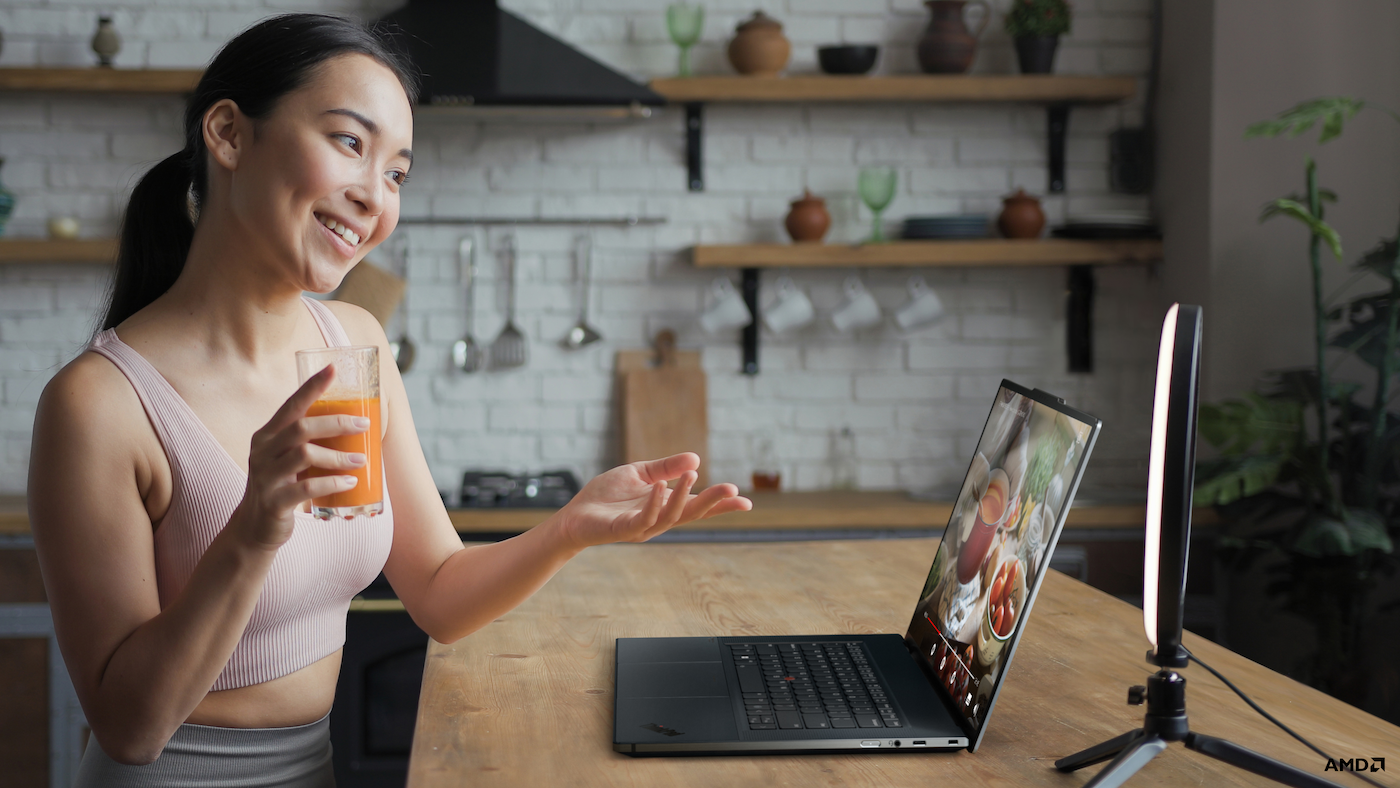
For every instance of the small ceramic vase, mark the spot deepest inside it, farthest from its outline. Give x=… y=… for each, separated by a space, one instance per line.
x=947 y=46
x=1021 y=216
x=759 y=48
x=105 y=42
x=808 y=220
x=7 y=202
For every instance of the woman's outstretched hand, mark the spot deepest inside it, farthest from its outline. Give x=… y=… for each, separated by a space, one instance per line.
x=631 y=503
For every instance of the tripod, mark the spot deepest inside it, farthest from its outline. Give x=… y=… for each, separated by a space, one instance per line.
x=1166 y=722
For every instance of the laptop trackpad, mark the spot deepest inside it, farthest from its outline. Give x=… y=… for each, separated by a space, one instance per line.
x=673 y=680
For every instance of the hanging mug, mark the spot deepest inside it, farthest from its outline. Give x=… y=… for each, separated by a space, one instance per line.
x=923 y=308
x=860 y=310
x=791 y=309
x=727 y=309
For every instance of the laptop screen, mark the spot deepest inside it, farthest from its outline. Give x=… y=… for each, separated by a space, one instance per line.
x=997 y=545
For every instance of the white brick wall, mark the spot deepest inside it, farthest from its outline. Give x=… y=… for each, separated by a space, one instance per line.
x=915 y=403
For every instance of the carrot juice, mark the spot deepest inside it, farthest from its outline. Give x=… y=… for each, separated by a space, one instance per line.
x=367 y=496
x=354 y=391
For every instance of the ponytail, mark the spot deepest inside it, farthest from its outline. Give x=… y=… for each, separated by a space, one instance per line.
x=254 y=70
x=157 y=231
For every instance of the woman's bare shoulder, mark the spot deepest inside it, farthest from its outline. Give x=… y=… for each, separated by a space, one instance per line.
x=90 y=413
x=362 y=327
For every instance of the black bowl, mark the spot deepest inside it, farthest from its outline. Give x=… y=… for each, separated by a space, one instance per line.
x=847 y=59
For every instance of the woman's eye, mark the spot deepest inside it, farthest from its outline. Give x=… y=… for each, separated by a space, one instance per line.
x=350 y=141
x=398 y=177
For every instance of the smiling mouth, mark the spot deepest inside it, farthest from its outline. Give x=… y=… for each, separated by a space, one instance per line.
x=339 y=229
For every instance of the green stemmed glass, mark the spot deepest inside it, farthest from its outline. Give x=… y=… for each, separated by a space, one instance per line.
x=876 y=185
x=684 y=22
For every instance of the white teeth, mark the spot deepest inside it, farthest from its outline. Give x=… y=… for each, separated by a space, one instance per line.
x=340 y=229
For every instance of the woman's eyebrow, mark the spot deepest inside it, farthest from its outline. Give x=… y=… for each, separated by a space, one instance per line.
x=370 y=126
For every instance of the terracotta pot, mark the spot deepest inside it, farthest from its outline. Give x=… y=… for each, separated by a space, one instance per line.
x=808 y=220
x=759 y=48
x=947 y=46
x=1021 y=216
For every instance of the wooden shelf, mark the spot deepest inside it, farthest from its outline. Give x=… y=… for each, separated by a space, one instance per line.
x=1044 y=88
x=993 y=252
x=103 y=80
x=39 y=250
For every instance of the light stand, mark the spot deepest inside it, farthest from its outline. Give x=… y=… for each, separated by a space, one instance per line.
x=1171 y=476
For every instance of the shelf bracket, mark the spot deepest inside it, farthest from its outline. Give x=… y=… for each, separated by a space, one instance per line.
x=749 y=287
x=1079 y=304
x=1057 y=123
x=695 y=146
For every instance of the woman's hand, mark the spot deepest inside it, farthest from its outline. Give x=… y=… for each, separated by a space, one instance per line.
x=631 y=503
x=281 y=450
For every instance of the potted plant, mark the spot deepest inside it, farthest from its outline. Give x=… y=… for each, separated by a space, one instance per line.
x=1307 y=471
x=1036 y=27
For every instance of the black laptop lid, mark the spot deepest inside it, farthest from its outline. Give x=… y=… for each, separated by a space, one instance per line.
x=996 y=547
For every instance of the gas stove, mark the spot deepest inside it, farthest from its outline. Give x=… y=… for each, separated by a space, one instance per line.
x=503 y=490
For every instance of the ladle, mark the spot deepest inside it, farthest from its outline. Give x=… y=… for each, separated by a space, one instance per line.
x=466 y=354
x=403 y=349
x=582 y=334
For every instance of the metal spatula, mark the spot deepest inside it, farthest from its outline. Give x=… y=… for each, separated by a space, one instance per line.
x=466 y=354
x=510 y=349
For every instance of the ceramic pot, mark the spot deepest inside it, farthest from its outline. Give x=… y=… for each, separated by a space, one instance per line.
x=1021 y=216
x=1036 y=54
x=759 y=48
x=105 y=42
x=7 y=202
x=808 y=220
x=947 y=46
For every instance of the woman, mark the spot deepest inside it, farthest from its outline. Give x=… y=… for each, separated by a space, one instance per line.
x=199 y=608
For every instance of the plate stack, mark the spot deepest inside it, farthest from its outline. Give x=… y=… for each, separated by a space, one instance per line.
x=960 y=226
x=1106 y=225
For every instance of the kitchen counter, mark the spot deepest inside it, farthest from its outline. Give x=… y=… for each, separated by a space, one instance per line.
x=792 y=511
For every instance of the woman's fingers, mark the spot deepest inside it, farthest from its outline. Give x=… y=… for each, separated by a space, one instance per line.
x=309 y=455
x=675 y=505
x=667 y=468
x=296 y=405
x=652 y=508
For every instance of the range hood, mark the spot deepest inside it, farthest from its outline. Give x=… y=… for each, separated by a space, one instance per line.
x=473 y=53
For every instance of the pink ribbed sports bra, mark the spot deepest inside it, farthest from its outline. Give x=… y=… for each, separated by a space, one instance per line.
x=300 y=614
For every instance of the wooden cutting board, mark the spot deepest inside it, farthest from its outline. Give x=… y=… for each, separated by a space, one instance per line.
x=664 y=406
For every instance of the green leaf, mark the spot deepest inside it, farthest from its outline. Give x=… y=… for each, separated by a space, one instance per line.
x=1228 y=479
x=1295 y=209
x=1368 y=323
x=1382 y=259
x=1357 y=530
x=1237 y=426
x=1333 y=112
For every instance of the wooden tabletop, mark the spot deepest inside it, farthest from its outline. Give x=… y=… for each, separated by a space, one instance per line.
x=528 y=700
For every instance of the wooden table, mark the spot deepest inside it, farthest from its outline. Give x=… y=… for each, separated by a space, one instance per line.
x=528 y=700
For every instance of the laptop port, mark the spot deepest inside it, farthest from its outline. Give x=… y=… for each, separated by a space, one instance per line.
x=870 y=744
x=953 y=741
x=919 y=743
x=896 y=742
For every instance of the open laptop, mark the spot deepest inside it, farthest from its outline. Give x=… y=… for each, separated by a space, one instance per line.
x=935 y=687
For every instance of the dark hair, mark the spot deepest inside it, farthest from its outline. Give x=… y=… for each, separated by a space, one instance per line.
x=255 y=70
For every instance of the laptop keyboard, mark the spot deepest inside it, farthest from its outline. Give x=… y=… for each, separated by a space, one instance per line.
x=816 y=686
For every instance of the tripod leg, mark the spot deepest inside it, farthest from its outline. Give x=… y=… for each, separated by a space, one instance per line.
x=1098 y=753
x=1133 y=757
x=1251 y=761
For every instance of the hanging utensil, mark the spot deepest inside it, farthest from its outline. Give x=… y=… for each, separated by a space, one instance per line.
x=510 y=349
x=582 y=334
x=403 y=349
x=466 y=354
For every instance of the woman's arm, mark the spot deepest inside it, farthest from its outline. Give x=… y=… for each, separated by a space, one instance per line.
x=139 y=671
x=451 y=590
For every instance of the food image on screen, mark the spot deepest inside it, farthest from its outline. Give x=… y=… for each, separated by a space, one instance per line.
x=995 y=547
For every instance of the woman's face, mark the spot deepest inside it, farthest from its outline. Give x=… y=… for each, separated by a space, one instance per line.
x=318 y=187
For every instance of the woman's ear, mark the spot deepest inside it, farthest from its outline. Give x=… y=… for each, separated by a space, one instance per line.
x=227 y=133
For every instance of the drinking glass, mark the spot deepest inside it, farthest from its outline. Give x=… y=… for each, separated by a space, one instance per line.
x=876 y=185
x=354 y=392
x=684 y=22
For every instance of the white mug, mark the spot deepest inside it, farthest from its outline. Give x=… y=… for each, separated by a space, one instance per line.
x=861 y=310
x=728 y=310
x=791 y=309
x=922 y=309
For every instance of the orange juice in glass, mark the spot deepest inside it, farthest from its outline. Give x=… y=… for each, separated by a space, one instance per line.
x=354 y=392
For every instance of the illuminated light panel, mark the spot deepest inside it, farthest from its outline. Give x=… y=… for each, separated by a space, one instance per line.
x=1156 y=474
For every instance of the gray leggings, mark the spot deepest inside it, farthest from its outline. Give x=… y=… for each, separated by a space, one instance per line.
x=203 y=756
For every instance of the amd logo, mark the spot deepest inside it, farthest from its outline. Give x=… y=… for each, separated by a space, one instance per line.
x=1355 y=765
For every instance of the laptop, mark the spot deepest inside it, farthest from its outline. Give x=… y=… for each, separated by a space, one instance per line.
x=935 y=687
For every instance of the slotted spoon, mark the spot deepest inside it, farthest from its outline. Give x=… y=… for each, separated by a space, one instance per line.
x=466 y=354
x=510 y=349
x=403 y=349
